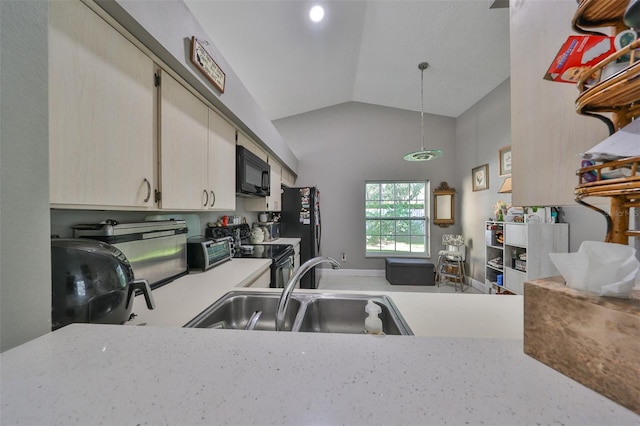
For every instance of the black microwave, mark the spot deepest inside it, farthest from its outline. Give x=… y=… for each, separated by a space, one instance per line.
x=252 y=174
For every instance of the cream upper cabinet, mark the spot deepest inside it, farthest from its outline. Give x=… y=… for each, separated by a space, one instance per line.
x=101 y=113
x=252 y=146
x=546 y=132
x=222 y=162
x=183 y=148
x=288 y=178
x=274 y=200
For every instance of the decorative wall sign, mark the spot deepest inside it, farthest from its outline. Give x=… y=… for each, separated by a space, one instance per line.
x=480 y=177
x=207 y=66
x=504 y=159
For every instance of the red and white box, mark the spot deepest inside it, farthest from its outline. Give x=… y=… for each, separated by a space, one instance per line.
x=577 y=55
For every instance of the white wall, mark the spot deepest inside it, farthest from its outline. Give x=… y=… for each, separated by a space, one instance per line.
x=25 y=274
x=480 y=132
x=340 y=147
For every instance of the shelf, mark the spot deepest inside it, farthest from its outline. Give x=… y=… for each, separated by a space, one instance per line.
x=617 y=94
x=598 y=13
x=502 y=290
x=516 y=271
x=624 y=194
x=629 y=163
x=537 y=240
x=494 y=268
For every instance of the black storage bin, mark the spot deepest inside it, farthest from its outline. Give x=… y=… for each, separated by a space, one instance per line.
x=409 y=271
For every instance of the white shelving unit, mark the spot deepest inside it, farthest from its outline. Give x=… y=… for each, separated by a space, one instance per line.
x=519 y=252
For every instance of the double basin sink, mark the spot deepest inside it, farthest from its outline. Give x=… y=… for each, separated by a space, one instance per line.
x=306 y=312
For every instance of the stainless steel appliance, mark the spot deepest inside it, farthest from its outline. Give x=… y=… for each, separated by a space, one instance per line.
x=204 y=253
x=157 y=250
x=300 y=217
x=92 y=282
x=282 y=255
x=252 y=174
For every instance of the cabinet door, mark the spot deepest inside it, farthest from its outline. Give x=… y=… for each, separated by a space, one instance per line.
x=263 y=281
x=222 y=163
x=288 y=178
x=274 y=201
x=101 y=113
x=252 y=146
x=183 y=147
x=516 y=235
x=514 y=280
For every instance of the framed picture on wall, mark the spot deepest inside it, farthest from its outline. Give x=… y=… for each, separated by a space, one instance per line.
x=504 y=159
x=480 y=177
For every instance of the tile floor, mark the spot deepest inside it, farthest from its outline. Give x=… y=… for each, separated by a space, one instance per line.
x=365 y=283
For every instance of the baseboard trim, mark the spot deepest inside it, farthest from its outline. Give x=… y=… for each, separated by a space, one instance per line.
x=353 y=272
x=478 y=285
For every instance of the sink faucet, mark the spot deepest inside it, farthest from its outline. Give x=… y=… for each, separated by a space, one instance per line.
x=288 y=288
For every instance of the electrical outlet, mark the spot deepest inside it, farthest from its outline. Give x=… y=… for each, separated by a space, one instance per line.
x=344 y=257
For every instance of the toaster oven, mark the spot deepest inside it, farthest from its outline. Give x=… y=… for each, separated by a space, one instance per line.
x=204 y=253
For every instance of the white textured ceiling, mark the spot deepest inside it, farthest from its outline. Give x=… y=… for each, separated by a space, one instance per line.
x=364 y=51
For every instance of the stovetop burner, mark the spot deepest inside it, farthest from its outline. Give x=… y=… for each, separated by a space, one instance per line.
x=260 y=251
x=265 y=251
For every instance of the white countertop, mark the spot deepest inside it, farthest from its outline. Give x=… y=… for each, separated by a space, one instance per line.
x=181 y=300
x=107 y=374
x=282 y=240
x=428 y=314
x=164 y=374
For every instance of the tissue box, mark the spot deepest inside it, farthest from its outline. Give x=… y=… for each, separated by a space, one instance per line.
x=592 y=339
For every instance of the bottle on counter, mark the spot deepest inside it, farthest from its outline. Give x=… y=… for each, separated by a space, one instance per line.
x=372 y=324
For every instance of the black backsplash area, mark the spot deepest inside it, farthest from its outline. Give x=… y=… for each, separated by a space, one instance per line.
x=228 y=231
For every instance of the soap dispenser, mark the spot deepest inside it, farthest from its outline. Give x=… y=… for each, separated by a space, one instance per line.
x=372 y=324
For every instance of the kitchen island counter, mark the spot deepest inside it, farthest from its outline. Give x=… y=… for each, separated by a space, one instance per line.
x=427 y=314
x=184 y=298
x=109 y=374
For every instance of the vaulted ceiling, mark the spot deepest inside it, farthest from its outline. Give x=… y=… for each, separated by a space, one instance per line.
x=364 y=51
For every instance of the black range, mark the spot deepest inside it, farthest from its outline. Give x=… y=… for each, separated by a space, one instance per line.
x=282 y=255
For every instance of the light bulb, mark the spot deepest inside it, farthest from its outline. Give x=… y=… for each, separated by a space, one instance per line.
x=316 y=13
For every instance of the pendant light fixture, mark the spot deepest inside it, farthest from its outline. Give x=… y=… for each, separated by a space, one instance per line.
x=423 y=154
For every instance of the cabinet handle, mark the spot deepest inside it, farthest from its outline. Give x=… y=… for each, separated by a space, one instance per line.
x=148 y=189
x=207 y=199
x=213 y=198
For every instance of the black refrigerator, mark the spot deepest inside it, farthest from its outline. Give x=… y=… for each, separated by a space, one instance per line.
x=300 y=218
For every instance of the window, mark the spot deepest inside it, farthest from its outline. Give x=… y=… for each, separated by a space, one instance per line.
x=396 y=218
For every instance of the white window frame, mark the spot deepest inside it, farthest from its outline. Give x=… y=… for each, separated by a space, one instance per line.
x=425 y=218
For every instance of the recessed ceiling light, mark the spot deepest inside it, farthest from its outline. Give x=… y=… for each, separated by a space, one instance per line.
x=316 y=13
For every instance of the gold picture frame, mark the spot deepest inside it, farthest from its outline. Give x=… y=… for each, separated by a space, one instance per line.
x=504 y=161
x=444 y=205
x=480 y=177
